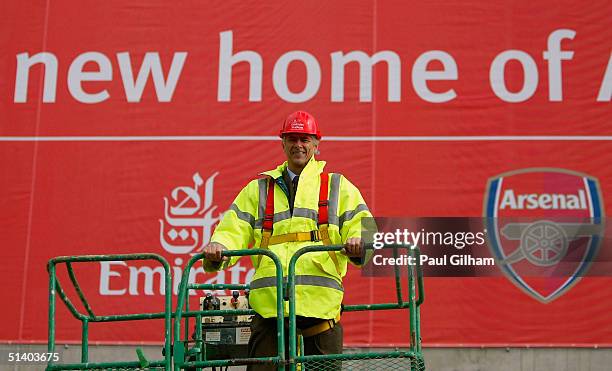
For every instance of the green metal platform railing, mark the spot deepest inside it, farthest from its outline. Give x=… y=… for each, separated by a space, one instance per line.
x=180 y=350
x=56 y=288
x=179 y=355
x=369 y=360
x=413 y=358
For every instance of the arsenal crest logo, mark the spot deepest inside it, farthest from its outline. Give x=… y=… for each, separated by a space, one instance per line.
x=545 y=227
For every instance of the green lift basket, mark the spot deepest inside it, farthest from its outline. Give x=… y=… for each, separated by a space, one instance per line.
x=181 y=353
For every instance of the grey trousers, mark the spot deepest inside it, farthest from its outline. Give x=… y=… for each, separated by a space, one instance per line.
x=264 y=342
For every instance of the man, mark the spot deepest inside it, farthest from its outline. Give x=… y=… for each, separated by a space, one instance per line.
x=295 y=205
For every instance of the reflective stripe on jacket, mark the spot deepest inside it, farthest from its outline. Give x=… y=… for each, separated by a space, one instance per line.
x=319 y=290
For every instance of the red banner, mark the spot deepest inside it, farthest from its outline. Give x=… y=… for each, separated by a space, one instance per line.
x=114 y=115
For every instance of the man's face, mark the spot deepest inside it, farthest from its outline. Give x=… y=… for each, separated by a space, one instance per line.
x=299 y=148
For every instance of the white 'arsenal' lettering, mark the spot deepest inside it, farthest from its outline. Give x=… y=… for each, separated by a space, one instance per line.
x=546 y=201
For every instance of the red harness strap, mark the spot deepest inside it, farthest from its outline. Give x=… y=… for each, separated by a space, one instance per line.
x=323 y=201
x=268 y=221
x=322 y=234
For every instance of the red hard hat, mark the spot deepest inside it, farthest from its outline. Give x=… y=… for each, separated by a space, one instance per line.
x=300 y=122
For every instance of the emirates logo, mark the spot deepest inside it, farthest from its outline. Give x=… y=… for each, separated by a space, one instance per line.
x=189 y=217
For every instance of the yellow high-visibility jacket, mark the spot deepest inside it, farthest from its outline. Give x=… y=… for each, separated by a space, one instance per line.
x=319 y=290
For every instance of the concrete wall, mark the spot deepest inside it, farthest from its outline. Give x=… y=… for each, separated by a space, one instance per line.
x=436 y=359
